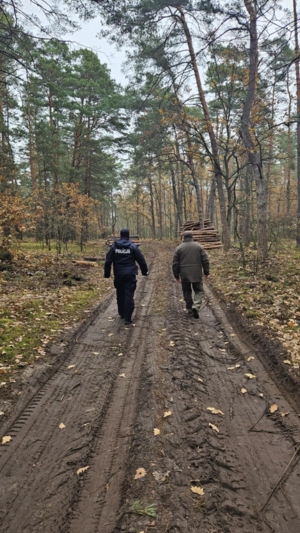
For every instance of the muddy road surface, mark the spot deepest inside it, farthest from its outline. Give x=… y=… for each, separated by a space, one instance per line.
x=171 y=425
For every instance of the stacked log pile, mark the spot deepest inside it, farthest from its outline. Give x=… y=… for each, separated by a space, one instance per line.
x=208 y=237
x=112 y=238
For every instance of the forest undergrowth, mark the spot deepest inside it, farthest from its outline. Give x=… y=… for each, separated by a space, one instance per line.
x=266 y=293
x=43 y=295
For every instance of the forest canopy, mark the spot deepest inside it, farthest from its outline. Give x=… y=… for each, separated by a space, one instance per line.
x=206 y=129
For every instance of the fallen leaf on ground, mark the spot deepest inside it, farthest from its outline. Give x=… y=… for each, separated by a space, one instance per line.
x=159 y=476
x=6 y=439
x=156 y=431
x=119 y=354
x=273 y=408
x=122 y=376
x=287 y=362
x=212 y=426
x=285 y=414
x=215 y=411
x=199 y=379
x=250 y=376
x=243 y=391
x=198 y=490
x=1 y=413
x=167 y=413
x=62 y=426
x=110 y=334
x=81 y=470
x=141 y=472
x=233 y=367
x=261 y=395
x=95 y=353
x=2 y=371
x=71 y=366
x=172 y=343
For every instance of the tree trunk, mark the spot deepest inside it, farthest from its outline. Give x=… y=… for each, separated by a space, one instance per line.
x=246 y=135
x=31 y=142
x=298 y=119
x=177 y=203
x=288 y=177
x=213 y=141
x=152 y=205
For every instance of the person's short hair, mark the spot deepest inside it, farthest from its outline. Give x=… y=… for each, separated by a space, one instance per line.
x=187 y=235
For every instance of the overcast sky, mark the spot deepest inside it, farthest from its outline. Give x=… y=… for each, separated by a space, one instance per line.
x=87 y=37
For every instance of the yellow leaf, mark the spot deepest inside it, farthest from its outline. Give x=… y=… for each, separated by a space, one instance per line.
x=215 y=411
x=250 y=376
x=261 y=395
x=156 y=431
x=96 y=353
x=141 y=472
x=273 y=408
x=119 y=354
x=213 y=427
x=233 y=367
x=110 y=334
x=62 y=426
x=198 y=490
x=287 y=362
x=81 y=470
x=199 y=379
x=284 y=414
x=6 y=439
x=250 y=358
x=167 y=413
x=71 y=366
x=243 y=391
x=122 y=376
x=172 y=343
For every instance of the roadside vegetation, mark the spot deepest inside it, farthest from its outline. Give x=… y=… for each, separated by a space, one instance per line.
x=42 y=295
x=265 y=292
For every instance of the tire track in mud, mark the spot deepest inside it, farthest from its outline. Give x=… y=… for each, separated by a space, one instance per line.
x=171 y=363
x=237 y=467
x=87 y=395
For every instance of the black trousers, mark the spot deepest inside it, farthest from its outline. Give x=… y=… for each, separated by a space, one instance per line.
x=125 y=286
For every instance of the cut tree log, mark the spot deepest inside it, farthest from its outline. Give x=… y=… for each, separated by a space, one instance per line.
x=94 y=258
x=87 y=264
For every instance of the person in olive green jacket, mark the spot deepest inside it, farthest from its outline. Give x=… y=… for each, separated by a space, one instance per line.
x=188 y=261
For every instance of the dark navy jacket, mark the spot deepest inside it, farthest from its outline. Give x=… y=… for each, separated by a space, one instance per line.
x=124 y=254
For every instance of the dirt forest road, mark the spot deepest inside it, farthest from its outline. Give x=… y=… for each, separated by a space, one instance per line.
x=222 y=459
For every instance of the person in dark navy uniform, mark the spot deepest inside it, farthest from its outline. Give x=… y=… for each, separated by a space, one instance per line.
x=123 y=255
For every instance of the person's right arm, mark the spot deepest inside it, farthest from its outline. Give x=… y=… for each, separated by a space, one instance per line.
x=141 y=261
x=175 y=265
x=205 y=262
x=108 y=261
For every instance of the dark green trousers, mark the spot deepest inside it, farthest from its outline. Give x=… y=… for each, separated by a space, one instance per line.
x=187 y=294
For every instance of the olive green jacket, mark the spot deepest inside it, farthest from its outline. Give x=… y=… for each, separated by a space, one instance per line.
x=188 y=261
